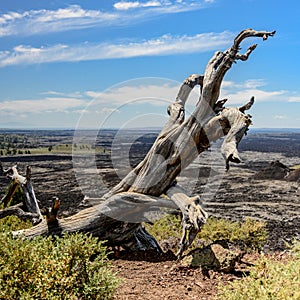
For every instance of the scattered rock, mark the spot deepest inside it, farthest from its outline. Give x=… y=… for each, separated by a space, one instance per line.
x=139 y=255
x=294 y=175
x=215 y=257
x=275 y=170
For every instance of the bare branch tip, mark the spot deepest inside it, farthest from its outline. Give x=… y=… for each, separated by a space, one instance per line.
x=28 y=172
x=267 y=34
x=247 y=106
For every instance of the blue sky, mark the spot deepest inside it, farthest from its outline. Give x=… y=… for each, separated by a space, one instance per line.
x=119 y=63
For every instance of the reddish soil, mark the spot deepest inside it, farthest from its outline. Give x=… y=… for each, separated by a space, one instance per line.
x=167 y=279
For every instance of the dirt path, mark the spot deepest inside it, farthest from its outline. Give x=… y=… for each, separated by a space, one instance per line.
x=167 y=279
x=162 y=280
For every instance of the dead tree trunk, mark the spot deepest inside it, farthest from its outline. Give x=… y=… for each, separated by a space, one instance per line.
x=178 y=144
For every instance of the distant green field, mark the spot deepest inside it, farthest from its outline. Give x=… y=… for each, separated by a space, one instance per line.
x=56 y=149
x=295 y=167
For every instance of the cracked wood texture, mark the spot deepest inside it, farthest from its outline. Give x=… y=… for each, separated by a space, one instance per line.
x=178 y=144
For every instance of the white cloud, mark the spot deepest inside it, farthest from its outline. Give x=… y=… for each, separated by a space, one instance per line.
x=165 y=45
x=107 y=110
x=239 y=93
x=159 y=92
x=74 y=17
x=242 y=96
x=44 y=21
x=154 y=97
x=280 y=117
x=151 y=91
x=125 y=5
x=74 y=12
x=125 y=101
x=248 y=84
x=253 y=83
x=46 y=105
x=294 y=99
x=155 y=94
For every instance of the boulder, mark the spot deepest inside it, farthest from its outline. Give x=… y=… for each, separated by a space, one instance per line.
x=213 y=257
x=275 y=170
x=294 y=175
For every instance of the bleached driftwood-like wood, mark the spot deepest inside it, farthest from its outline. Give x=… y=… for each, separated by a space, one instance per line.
x=107 y=221
x=178 y=144
x=181 y=141
x=193 y=216
x=30 y=205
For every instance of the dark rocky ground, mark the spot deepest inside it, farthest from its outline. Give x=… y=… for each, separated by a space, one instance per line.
x=247 y=190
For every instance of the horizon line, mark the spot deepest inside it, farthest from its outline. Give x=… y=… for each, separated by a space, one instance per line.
x=116 y=128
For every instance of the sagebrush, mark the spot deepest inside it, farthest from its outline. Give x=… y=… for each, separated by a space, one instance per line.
x=270 y=278
x=72 y=267
x=249 y=234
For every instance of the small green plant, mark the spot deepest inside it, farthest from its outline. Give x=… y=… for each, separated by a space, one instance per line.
x=250 y=234
x=295 y=248
x=72 y=267
x=166 y=227
x=11 y=223
x=269 y=279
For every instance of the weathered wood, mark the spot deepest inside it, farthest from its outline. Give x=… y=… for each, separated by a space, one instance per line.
x=119 y=213
x=12 y=188
x=18 y=210
x=30 y=202
x=181 y=141
x=193 y=216
x=108 y=221
x=51 y=214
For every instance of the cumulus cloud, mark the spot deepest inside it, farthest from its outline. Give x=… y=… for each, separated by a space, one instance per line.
x=165 y=45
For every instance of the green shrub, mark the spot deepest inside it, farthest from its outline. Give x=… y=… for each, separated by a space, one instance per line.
x=269 y=279
x=295 y=249
x=166 y=227
x=55 y=268
x=250 y=234
x=11 y=223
